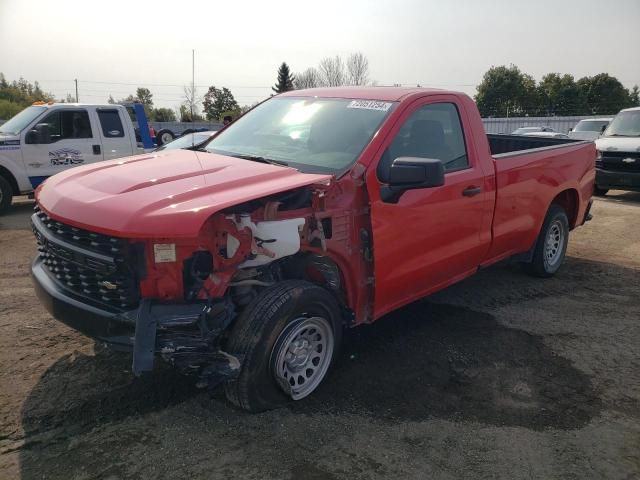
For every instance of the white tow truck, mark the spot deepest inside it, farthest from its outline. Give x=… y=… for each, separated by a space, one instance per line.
x=47 y=138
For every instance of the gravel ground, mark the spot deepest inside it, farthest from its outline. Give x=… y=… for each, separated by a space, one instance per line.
x=500 y=376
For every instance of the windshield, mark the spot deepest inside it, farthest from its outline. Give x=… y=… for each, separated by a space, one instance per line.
x=186 y=141
x=314 y=135
x=591 y=125
x=625 y=124
x=19 y=121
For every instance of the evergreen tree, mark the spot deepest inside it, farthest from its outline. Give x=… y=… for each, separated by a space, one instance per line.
x=285 y=79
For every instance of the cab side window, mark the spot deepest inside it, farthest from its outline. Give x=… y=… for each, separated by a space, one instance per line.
x=433 y=131
x=111 y=123
x=68 y=124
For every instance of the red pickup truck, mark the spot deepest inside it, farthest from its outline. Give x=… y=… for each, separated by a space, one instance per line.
x=241 y=262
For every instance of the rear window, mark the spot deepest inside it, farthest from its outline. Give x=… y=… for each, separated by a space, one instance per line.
x=111 y=123
x=591 y=126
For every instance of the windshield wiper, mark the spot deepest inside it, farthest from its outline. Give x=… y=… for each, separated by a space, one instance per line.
x=257 y=158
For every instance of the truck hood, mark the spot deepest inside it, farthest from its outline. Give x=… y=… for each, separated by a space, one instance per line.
x=620 y=144
x=6 y=137
x=168 y=194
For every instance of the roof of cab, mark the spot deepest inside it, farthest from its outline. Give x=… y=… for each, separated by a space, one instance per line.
x=75 y=105
x=388 y=94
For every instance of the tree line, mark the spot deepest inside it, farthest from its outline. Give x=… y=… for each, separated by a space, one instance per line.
x=506 y=91
x=18 y=94
x=330 y=72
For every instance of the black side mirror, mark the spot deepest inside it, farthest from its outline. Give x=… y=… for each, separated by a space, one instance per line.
x=407 y=173
x=31 y=137
x=40 y=134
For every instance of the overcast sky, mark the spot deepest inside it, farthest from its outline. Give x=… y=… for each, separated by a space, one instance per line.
x=239 y=44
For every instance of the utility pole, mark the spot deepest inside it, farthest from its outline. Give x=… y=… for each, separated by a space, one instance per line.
x=193 y=81
x=76 y=80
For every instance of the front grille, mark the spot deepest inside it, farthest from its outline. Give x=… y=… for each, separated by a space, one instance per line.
x=620 y=161
x=95 y=266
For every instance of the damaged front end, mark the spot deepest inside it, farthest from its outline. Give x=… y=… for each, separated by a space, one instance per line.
x=178 y=297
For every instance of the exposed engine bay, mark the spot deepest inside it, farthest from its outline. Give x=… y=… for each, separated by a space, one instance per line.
x=298 y=234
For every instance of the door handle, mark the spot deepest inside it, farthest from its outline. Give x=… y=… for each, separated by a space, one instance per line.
x=471 y=191
x=96 y=149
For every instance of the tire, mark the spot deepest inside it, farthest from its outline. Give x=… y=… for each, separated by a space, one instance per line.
x=276 y=319
x=164 y=136
x=187 y=132
x=600 y=192
x=551 y=245
x=6 y=195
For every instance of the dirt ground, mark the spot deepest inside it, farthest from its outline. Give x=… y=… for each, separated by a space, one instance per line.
x=501 y=376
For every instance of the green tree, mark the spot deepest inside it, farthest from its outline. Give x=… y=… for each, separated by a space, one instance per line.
x=185 y=114
x=144 y=96
x=506 y=91
x=218 y=101
x=164 y=115
x=560 y=95
x=604 y=94
x=8 y=109
x=16 y=95
x=285 y=79
x=634 y=96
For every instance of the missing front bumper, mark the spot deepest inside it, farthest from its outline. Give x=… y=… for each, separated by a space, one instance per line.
x=185 y=335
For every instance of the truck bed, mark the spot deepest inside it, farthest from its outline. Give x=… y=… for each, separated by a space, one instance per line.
x=529 y=170
x=502 y=144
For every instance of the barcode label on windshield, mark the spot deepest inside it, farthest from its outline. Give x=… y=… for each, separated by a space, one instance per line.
x=370 y=105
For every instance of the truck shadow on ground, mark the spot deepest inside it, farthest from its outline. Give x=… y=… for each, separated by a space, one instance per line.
x=18 y=217
x=445 y=361
x=629 y=198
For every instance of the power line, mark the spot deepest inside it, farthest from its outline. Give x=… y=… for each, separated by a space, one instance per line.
x=144 y=84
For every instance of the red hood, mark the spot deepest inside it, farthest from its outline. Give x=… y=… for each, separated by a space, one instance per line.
x=161 y=194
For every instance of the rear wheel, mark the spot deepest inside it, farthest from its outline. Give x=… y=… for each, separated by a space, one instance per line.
x=6 y=195
x=289 y=336
x=600 y=192
x=164 y=136
x=551 y=245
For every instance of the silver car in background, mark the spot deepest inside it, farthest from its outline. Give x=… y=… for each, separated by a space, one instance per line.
x=589 y=129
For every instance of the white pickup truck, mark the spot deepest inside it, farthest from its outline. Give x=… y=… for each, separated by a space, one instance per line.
x=45 y=139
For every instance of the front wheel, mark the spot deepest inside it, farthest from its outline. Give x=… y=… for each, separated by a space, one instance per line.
x=289 y=336
x=551 y=245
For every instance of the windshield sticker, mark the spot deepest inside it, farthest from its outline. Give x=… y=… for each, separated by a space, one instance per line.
x=65 y=156
x=370 y=105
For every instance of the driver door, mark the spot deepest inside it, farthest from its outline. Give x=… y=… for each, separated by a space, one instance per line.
x=433 y=236
x=70 y=143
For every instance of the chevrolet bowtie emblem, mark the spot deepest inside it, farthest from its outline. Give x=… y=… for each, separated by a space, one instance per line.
x=628 y=160
x=108 y=285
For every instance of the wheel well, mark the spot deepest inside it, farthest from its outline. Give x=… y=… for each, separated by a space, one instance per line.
x=318 y=269
x=11 y=179
x=569 y=201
